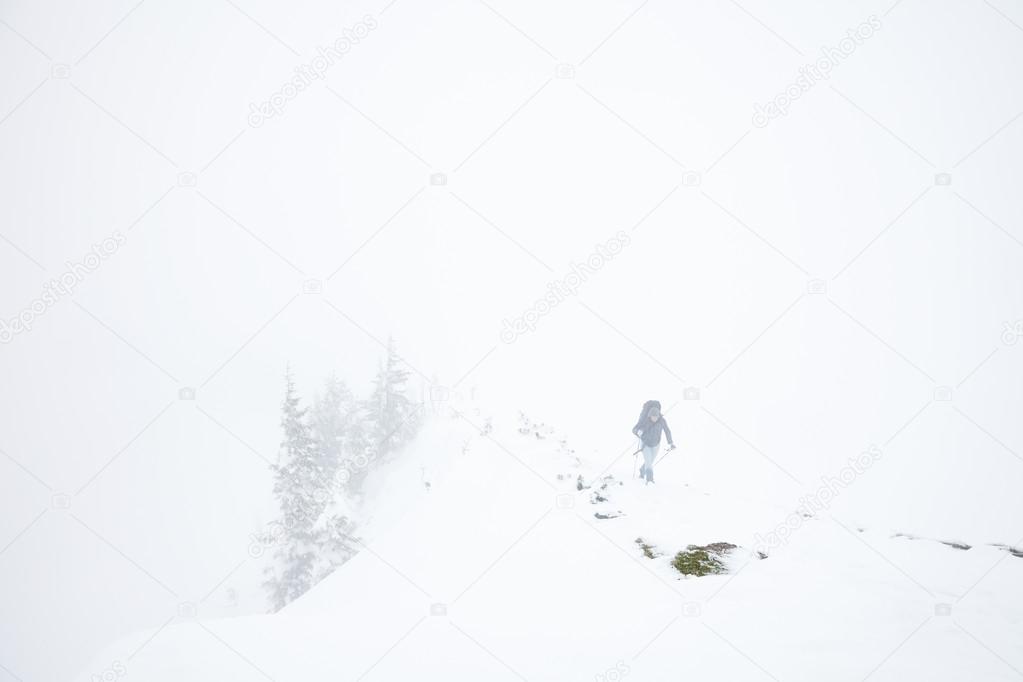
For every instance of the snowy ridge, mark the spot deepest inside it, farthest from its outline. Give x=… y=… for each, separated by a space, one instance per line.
x=498 y=568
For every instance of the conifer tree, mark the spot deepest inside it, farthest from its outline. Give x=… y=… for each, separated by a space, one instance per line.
x=393 y=418
x=298 y=490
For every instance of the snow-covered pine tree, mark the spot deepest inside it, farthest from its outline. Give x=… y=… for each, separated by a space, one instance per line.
x=336 y=423
x=299 y=489
x=325 y=453
x=335 y=542
x=355 y=441
x=327 y=420
x=392 y=417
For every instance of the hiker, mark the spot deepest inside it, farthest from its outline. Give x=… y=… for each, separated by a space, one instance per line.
x=648 y=429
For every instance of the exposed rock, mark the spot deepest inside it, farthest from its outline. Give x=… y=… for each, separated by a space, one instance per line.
x=1014 y=551
x=954 y=544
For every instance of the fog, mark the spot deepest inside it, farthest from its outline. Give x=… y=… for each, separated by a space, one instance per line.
x=178 y=226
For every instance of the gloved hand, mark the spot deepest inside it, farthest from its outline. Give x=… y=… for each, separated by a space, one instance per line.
x=671 y=446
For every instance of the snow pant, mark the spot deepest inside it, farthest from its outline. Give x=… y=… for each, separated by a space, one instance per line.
x=649 y=455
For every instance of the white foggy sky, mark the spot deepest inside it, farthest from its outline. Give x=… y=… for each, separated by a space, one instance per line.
x=207 y=290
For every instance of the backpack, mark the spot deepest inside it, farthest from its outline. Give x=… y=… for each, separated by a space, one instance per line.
x=646 y=409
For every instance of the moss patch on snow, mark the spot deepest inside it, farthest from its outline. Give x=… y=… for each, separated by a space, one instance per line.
x=649 y=551
x=705 y=560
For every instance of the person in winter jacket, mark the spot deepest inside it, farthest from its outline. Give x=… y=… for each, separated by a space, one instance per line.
x=649 y=427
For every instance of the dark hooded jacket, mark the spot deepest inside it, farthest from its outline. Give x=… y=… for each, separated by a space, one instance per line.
x=651 y=430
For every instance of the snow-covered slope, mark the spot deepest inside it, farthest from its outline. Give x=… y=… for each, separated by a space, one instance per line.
x=485 y=558
x=844 y=278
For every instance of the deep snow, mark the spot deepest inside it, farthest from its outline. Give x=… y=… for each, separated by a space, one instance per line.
x=499 y=569
x=819 y=280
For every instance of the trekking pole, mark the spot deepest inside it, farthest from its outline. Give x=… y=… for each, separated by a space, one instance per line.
x=666 y=452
